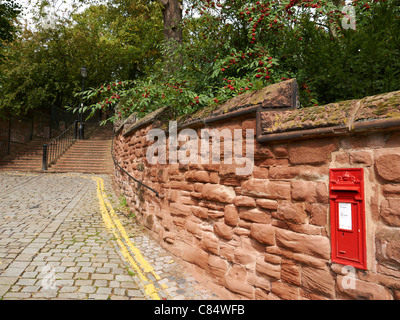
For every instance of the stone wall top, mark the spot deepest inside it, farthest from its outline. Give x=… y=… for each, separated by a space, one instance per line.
x=367 y=114
x=279 y=117
x=279 y=96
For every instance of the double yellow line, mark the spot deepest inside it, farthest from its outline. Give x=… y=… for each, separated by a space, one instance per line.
x=131 y=254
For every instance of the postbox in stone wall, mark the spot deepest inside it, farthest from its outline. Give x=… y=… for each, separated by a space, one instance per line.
x=347 y=216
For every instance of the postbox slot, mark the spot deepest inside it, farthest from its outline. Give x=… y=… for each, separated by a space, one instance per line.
x=345 y=188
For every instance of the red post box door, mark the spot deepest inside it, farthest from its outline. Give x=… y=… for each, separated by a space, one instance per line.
x=346 y=192
x=347 y=241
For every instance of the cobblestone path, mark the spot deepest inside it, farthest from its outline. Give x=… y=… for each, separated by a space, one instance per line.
x=62 y=237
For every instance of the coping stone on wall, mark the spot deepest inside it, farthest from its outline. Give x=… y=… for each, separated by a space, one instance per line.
x=279 y=117
x=373 y=113
x=279 y=96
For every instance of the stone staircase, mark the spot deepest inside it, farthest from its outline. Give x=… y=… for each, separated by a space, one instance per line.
x=92 y=155
x=88 y=156
x=25 y=158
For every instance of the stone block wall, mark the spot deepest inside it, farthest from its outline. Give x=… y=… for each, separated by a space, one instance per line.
x=266 y=235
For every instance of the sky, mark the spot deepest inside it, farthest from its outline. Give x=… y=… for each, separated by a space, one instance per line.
x=56 y=8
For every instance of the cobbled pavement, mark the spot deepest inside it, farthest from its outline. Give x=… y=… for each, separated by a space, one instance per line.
x=54 y=244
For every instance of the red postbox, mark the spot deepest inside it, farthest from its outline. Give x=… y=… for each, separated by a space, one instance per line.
x=347 y=211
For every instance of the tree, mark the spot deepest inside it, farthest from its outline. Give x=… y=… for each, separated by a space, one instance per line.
x=230 y=47
x=9 y=11
x=117 y=41
x=172 y=17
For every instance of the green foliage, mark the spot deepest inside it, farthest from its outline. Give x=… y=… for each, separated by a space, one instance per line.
x=114 y=41
x=9 y=11
x=231 y=47
x=348 y=64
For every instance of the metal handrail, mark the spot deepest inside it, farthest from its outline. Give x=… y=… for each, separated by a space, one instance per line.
x=53 y=150
x=123 y=170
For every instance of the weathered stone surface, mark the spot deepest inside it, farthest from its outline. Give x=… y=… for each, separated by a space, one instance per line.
x=361 y=157
x=197 y=257
x=264 y=233
x=279 y=95
x=259 y=282
x=362 y=290
x=318 y=280
x=390 y=211
x=241 y=231
x=218 y=267
x=391 y=190
x=314 y=152
x=267 y=204
x=374 y=141
x=380 y=106
x=291 y=272
x=231 y=216
x=303 y=172
x=193 y=228
x=255 y=215
x=215 y=214
x=244 y=257
x=268 y=269
x=218 y=193
x=388 y=167
x=322 y=192
x=169 y=237
x=210 y=243
x=260 y=172
x=226 y=251
x=388 y=245
x=239 y=287
x=180 y=185
x=243 y=201
x=293 y=212
x=236 y=280
x=199 y=176
x=227 y=170
x=179 y=209
x=272 y=258
x=285 y=291
x=303 y=191
x=332 y=115
x=316 y=246
x=250 y=124
x=200 y=212
x=318 y=214
x=262 y=152
x=267 y=189
x=281 y=151
x=222 y=230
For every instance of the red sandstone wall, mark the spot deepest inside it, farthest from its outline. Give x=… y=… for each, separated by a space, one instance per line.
x=267 y=235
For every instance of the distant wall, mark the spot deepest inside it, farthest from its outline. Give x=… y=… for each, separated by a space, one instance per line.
x=266 y=235
x=17 y=131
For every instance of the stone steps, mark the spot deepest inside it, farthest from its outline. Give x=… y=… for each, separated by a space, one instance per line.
x=25 y=158
x=88 y=156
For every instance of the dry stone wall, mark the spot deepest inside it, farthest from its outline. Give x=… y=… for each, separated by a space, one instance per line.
x=266 y=235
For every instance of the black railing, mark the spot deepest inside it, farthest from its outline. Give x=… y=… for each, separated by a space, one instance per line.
x=124 y=171
x=53 y=150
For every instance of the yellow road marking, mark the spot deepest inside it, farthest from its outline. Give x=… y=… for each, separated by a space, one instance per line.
x=138 y=262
